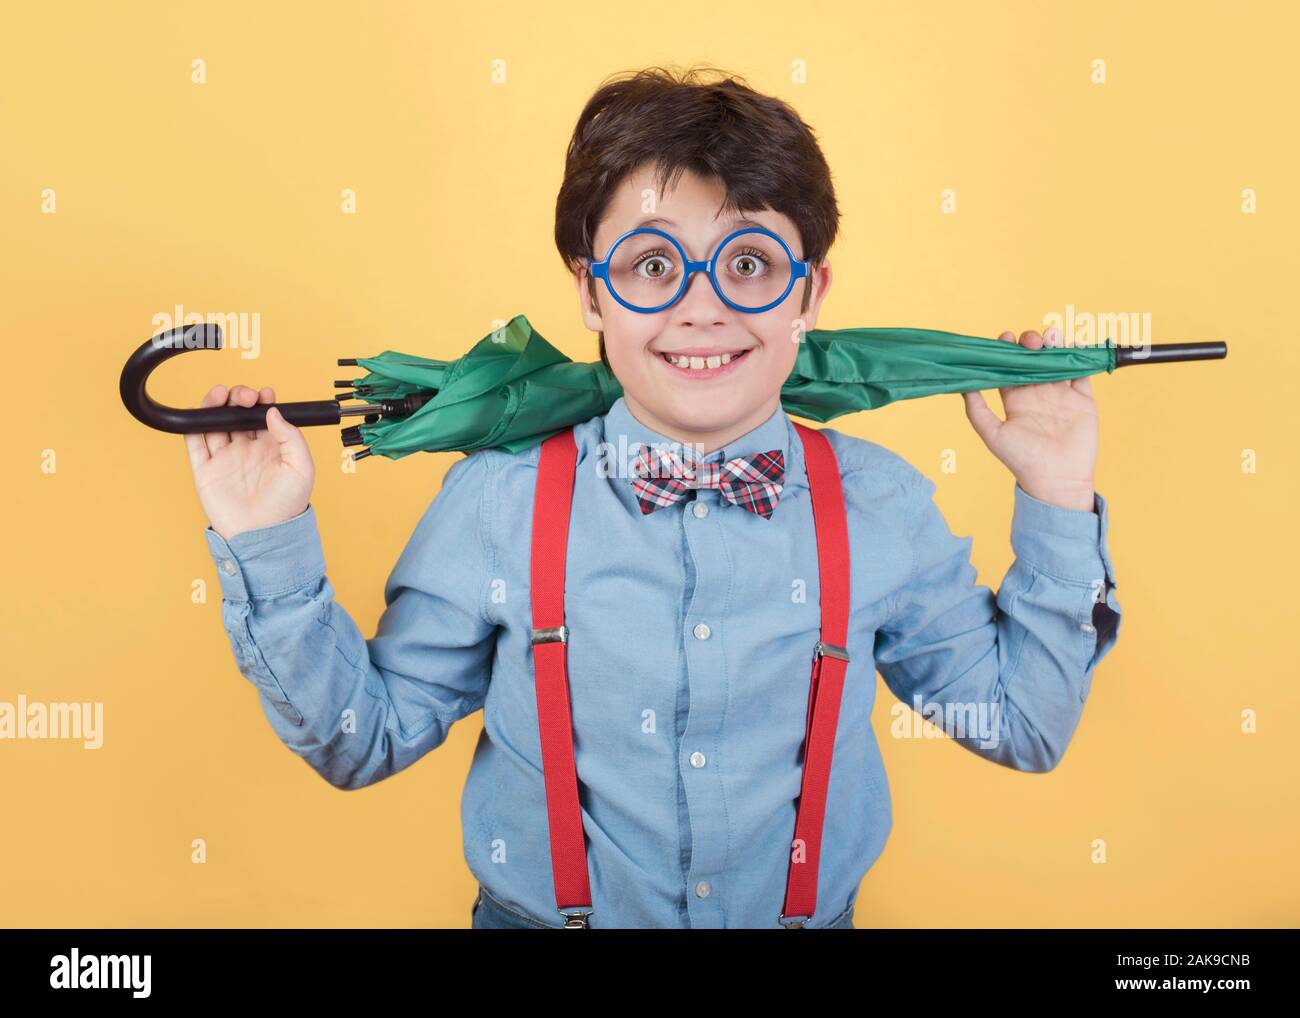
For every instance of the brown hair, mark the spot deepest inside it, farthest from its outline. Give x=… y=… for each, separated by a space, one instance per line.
x=765 y=155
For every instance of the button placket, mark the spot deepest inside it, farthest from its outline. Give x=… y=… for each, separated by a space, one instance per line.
x=705 y=830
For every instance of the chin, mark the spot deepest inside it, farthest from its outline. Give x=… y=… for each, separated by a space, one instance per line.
x=708 y=411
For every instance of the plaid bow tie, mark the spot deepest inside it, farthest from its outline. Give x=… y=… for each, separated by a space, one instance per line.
x=663 y=477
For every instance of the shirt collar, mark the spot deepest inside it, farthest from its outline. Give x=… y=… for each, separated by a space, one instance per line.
x=622 y=432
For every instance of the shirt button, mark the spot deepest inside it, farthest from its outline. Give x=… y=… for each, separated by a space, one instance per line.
x=228 y=567
x=697 y=759
x=700 y=509
x=1087 y=627
x=702 y=889
x=702 y=632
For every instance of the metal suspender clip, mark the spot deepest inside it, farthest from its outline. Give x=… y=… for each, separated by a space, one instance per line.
x=551 y=634
x=575 y=920
x=793 y=922
x=829 y=650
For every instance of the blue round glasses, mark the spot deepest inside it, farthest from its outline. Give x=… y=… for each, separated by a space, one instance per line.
x=753 y=270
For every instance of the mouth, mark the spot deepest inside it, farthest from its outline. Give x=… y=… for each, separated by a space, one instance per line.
x=699 y=364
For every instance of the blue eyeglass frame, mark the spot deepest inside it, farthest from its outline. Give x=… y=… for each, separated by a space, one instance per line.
x=798 y=270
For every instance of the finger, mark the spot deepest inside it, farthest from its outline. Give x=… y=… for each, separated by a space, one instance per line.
x=196 y=447
x=982 y=419
x=1006 y=337
x=243 y=395
x=196 y=442
x=216 y=440
x=1052 y=340
x=1031 y=340
x=264 y=395
x=1083 y=385
x=293 y=446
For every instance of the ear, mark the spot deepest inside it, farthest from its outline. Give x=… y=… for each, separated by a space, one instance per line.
x=819 y=279
x=587 y=307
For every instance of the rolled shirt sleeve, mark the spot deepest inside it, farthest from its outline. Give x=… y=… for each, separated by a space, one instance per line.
x=359 y=710
x=1005 y=675
x=1065 y=545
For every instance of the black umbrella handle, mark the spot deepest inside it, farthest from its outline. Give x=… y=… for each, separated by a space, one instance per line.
x=1165 y=353
x=165 y=345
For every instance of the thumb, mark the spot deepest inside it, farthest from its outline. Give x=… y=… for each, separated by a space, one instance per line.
x=982 y=419
x=293 y=446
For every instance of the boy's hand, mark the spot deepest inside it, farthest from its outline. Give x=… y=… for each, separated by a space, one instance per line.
x=1049 y=437
x=250 y=479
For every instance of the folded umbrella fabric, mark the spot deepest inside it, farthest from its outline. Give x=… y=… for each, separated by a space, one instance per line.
x=513 y=389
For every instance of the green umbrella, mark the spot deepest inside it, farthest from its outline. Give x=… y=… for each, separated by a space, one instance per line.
x=514 y=389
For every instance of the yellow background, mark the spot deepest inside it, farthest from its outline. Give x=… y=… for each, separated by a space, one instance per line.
x=225 y=196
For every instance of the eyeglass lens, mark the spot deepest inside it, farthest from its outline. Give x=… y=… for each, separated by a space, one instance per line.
x=752 y=270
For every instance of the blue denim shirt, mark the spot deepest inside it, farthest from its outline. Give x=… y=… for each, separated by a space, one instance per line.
x=692 y=631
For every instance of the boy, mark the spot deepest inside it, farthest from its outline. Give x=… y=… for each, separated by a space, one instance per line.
x=691 y=609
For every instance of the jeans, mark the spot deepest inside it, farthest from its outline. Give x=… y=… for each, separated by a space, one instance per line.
x=490 y=914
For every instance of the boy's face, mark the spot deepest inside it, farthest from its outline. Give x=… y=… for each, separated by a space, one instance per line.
x=713 y=406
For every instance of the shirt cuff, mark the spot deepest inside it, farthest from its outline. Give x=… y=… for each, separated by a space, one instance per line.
x=269 y=560
x=1068 y=543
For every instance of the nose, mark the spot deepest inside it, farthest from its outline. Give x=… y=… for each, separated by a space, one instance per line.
x=699 y=301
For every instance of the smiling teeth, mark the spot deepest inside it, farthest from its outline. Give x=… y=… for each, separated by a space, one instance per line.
x=700 y=363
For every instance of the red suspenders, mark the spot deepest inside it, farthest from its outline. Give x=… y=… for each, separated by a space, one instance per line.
x=551 y=511
x=552 y=504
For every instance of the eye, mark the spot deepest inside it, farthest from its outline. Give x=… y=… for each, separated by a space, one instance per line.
x=749 y=263
x=657 y=264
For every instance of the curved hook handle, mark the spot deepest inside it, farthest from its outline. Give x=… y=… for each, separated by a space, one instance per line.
x=165 y=345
